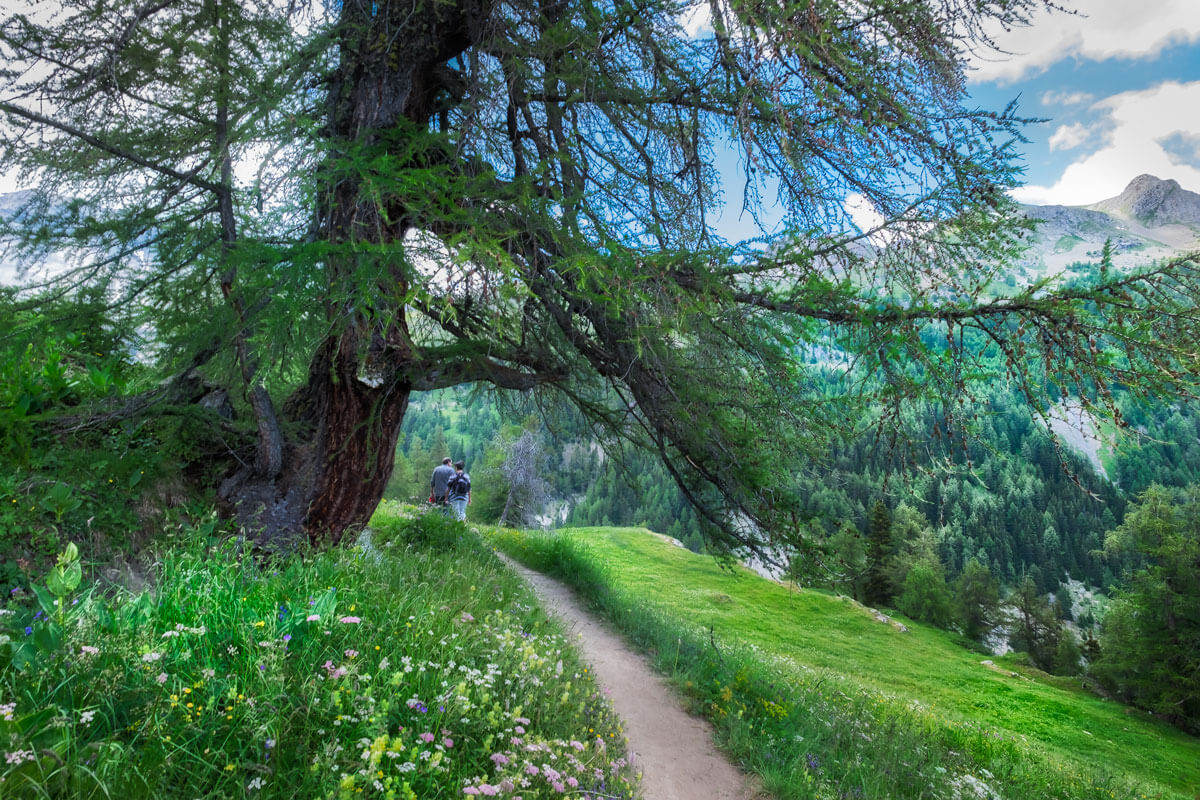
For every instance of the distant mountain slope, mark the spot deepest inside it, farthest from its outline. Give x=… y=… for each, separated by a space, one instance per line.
x=1151 y=219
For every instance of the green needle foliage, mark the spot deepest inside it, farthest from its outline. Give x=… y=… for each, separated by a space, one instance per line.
x=322 y=210
x=1150 y=647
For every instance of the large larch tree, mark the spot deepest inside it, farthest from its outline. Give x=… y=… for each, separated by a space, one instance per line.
x=319 y=210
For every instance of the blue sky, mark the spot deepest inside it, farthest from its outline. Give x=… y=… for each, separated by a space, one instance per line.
x=1120 y=84
x=1116 y=81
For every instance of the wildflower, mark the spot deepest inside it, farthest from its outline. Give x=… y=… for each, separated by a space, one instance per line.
x=312 y=618
x=257 y=783
x=6 y=711
x=350 y=653
x=259 y=624
x=577 y=745
x=85 y=717
x=349 y=620
x=427 y=738
x=88 y=650
x=208 y=673
x=499 y=759
x=559 y=787
x=161 y=678
x=287 y=637
x=150 y=658
x=28 y=632
x=471 y=790
x=169 y=634
x=230 y=767
x=489 y=790
x=18 y=757
x=447 y=742
x=466 y=617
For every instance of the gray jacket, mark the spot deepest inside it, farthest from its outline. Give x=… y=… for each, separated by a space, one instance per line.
x=441 y=476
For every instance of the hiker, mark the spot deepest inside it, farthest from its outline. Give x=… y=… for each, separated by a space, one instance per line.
x=437 y=484
x=459 y=490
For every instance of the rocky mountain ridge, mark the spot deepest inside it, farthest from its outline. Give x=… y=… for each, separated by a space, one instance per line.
x=1152 y=219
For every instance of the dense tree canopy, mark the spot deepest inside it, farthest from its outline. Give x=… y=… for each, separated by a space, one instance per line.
x=321 y=210
x=1150 y=648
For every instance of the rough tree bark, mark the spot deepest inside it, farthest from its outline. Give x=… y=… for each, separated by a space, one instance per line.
x=347 y=416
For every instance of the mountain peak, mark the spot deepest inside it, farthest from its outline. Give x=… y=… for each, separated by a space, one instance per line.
x=1153 y=201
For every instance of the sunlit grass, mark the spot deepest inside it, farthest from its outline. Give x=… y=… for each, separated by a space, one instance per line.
x=419 y=667
x=811 y=692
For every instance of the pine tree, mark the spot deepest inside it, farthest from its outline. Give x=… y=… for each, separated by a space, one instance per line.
x=1150 y=638
x=977 y=595
x=879 y=589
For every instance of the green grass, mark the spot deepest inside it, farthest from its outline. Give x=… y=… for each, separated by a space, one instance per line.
x=421 y=667
x=822 y=700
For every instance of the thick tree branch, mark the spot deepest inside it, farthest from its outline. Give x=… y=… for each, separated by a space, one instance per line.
x=109 y=148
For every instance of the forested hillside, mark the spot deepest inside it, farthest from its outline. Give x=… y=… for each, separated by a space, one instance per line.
x=1006 y=493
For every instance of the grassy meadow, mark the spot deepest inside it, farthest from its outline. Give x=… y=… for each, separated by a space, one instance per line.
x=820 y=699
x=417 y=667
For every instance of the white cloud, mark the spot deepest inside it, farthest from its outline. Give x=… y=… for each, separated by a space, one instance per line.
x=1102 y=30
x=1068 y=137
x=697 y=20
x=1142 y=134
x=1059 y=99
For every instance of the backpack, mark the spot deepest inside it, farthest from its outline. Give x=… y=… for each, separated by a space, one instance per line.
x=459 y=485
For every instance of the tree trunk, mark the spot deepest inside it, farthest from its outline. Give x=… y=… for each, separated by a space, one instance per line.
x=349 y=411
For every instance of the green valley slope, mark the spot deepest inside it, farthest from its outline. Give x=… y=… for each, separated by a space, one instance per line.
x=921 y=676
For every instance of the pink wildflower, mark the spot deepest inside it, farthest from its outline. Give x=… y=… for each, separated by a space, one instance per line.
x=447 y=742
x=162 y=677
x=573 y=783
x=488 y=789
x=470 y=790
x=577 y=745
x=349 y=620
x=427 y=738
x=87 y=649
x=499 y=759
x=351 y=653
x=558 y=786
x=312 y=618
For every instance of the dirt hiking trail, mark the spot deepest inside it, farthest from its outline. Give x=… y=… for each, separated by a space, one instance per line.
x=673 y=750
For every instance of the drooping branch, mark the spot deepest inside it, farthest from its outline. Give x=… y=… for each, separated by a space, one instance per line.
x=114 y=150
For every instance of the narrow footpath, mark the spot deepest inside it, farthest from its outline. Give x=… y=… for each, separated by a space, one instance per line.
x=673 y=750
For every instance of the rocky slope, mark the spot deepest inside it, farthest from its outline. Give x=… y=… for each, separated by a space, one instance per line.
x=1150 y=220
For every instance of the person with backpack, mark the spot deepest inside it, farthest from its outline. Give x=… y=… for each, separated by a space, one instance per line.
x=458 y=488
